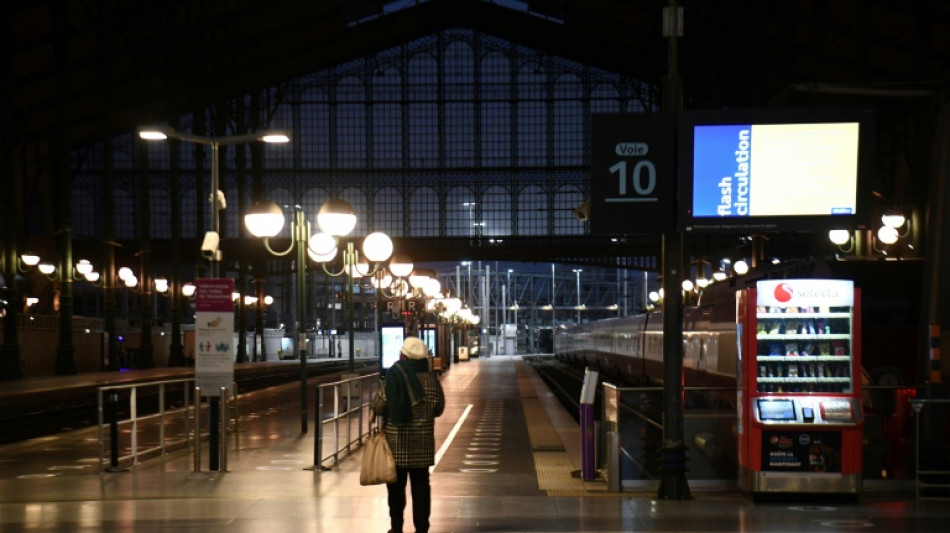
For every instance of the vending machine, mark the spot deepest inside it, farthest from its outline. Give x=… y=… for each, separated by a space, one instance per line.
x=799 y=387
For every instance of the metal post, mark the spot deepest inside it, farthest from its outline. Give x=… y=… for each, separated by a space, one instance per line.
x=214 y=433
x=318 y=428
x=161 y=416
x=350 y=260
x=215 y=220
x=134 y=414
x=223 y=423
x=673 y=484
x=197 y=429
x=113 y=431
x=301 y=231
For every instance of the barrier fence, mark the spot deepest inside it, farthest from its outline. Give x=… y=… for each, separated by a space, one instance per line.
x=342 y=417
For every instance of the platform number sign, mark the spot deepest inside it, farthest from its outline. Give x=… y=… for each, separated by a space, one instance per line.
x=632 y=178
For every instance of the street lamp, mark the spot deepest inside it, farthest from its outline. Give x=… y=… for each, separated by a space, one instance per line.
x=336 y=218
x=216 y=199
x=266 y=219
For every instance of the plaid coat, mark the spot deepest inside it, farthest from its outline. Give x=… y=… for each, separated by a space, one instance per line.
x=413 y=445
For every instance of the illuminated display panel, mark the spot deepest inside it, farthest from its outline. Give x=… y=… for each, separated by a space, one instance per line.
x=776 y=410
x=775 y=170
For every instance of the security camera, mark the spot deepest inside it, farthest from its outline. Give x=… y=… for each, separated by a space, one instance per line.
x=582 y=212
x=209 y=246
x=221 y=201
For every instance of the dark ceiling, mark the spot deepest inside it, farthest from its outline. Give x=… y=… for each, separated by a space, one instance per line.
x=84 y=67
x=76 y=71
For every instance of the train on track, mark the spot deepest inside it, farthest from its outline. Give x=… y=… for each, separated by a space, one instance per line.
x=630 y=349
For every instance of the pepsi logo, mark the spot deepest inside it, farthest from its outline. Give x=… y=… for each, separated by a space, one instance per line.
x=784 y=292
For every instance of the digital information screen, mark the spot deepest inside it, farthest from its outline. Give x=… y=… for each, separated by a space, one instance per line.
x=754 y=170
x=393 y=337
x=776 y=410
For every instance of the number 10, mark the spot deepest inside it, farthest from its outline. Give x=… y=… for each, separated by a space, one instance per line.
x=638 y=177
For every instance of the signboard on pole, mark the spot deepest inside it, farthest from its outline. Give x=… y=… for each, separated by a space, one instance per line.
x=632 y=174
x=214 y=335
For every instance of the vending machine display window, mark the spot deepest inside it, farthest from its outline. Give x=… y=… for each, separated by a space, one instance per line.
x=804 y=349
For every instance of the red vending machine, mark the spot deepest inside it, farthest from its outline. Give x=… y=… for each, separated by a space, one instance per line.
x=799 y=378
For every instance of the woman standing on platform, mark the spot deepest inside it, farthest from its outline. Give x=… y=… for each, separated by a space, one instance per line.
x=414 y=398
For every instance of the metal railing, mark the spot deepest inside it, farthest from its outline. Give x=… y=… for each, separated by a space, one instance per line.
x=108 y=403
x=342 y=417
x=930 y=477
x=713 y=444
x=134 y=419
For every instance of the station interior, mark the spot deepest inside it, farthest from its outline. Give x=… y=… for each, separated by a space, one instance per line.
x=599 y=215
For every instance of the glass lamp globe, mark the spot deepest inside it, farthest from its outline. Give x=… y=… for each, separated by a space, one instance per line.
x=362 y=268
x=740 y=267
x=418 y=279
x=377 y=246
x=893 y=220
x=125 y=273
x=839 y=236
x=400 y=266
x=336 y=217
x=322 y=258
x=322 y=243
x=188 y=290
x=30 y=259
x=452 y=305
x=431 y=287
x=161 y=285
x=887 y=235
x=264 y=219
x=83 y=267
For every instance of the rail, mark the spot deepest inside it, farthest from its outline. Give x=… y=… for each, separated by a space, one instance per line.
x=340 y=411
x=108 y=407
x=925 y=476
x=629 y=452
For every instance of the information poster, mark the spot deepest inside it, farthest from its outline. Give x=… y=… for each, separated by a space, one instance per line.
x=801 y=451
x=214 y=335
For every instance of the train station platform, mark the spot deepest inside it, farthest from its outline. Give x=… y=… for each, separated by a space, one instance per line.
x=507 y=457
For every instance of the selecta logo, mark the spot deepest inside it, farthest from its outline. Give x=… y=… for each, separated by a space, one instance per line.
x=784 y=292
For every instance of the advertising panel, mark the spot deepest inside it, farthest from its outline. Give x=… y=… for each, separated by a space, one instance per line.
x=214 y=335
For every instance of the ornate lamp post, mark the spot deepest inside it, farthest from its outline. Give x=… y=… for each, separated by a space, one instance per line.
x=336 y=218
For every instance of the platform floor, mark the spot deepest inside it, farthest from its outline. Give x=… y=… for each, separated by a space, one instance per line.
x=507 y=455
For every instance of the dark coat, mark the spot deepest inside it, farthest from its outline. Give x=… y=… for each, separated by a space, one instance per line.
x=413 y=445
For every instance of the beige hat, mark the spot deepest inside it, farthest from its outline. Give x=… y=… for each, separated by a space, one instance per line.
x=414 y=348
